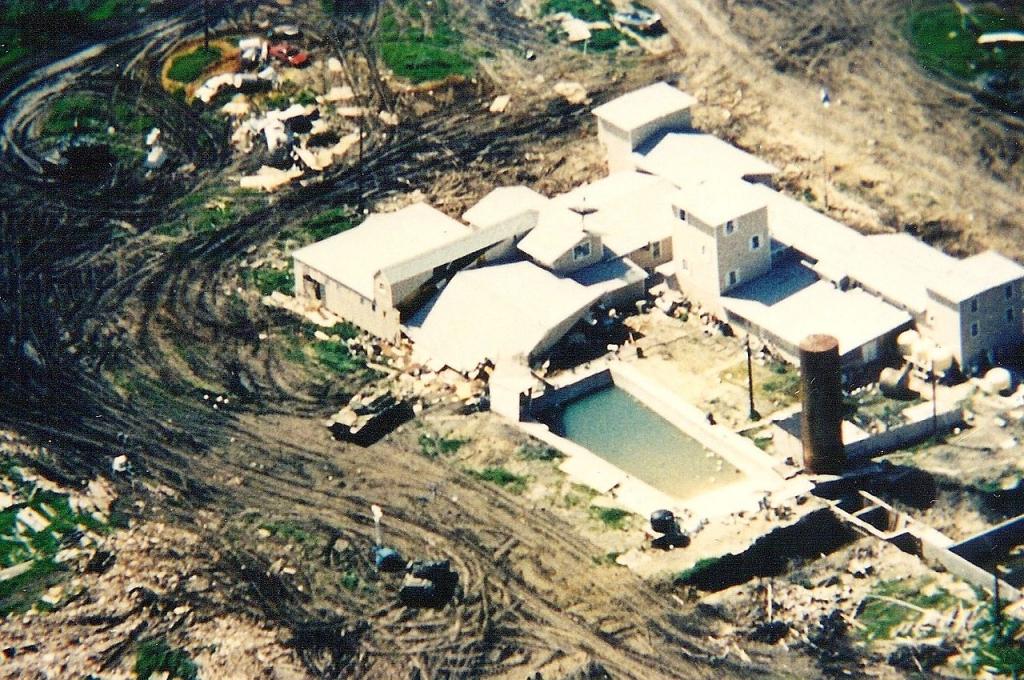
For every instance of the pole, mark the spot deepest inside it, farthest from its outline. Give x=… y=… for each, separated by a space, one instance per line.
x=753 y=415
x=935 y=404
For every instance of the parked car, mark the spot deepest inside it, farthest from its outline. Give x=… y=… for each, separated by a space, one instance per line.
x=289 y=54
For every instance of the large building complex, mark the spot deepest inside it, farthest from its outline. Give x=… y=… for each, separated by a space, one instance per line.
x=677 y=206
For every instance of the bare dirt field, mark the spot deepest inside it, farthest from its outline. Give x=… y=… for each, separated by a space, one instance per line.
x=123 y=338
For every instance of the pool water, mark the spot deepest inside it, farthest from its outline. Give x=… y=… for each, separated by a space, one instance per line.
x=619 y=428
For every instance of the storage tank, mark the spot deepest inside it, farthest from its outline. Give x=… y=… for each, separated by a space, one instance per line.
x=906 y=340
x=999 y=380
x=941 y=359
x=822 y=398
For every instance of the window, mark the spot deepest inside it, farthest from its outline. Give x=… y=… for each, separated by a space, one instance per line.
x=755 y=242
x=581 y=251
x=682 y=214
x=1009 y=316
x=974 y=330
x=703 y=250
x=656 y=249
x=730 y=227
x=974 y=305
x=683 y=264
x=1009 y=291
x=733 y=278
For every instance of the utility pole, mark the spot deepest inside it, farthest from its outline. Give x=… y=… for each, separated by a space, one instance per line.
x=935 y=403
x=753 y=414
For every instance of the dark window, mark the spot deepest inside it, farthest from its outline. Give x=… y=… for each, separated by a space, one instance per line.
x=733 y=278
x=1009 y=291
x=974 y=305
x=730 y=227
x=1009 y=315
x=974 y=330
x=581 y=251
x=682 y=214
x=313 y=287
x=755 y=242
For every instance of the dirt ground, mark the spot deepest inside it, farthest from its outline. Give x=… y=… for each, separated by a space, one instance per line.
x=258 y=497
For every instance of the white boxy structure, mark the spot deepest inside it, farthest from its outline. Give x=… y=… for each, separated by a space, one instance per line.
x=677 y=205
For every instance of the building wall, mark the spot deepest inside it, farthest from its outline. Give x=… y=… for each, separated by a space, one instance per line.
x=996 y=332
x=678 y=121
x=566 y=263
x=950 y=324
x=379 y=320
x=735 y=252
x=694 y=250
x=618 y=146
x=647 y=257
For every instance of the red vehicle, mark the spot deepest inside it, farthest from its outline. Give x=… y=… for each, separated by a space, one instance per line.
x=289 y=54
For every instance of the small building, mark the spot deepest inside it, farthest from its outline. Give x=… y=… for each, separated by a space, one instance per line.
x=639 y=118
x=343 y=273
x=559 y=242
x=721 y=238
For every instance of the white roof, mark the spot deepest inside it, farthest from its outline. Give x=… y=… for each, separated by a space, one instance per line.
x=684 y=158
x=384 y=239
x=632 y=209
x=609 y=276
x=896 y=266
x=716 y=201
x=805 y=229
x=504 y=203
x=975 y=275
x=497 y=312
x=854 y=317
x=638 y=108
x=558 y=230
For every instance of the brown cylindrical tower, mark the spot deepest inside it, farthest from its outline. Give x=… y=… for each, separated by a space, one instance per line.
x=822 y=397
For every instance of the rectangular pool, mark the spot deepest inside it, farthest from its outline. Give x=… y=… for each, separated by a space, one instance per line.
x=619 y=428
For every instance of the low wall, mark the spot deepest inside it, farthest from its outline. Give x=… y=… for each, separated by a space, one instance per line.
x=898 y=437
x=556 y=395
x=967 y=570
x=998 y=539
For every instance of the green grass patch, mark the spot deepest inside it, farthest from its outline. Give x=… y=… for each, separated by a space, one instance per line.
x=422 y=48
x=699 y=568
x=882 y=614
x=11 y=47
x=774 y=382
x=187 y=68
x=268 y=280
x=287 y=531
x=507 y=480
x=613 y=518
x=434 y=447
x=336 y=356
x=588 y=10
x=330 y=222
x=540 y=452
x=947 y=41
x=156 y=656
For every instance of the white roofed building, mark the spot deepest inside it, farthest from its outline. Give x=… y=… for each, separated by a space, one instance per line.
x=634 y=119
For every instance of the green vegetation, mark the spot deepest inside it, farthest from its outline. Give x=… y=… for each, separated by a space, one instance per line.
x=419 y=47
x=699 y=567
x=433 y=447
x=287 y=531
x=588 y=10
x=996 y=646
x=336 y=356
x=187 y=68
x=30 y=25
x=540 y=452
x=329 y=223
x=947 y=41
x=613 y=518
x=883 y=611
x=602 y=39
x=509 y=481
x=155 y=656
x=776 y=383
x=90 y=113
x=268 y=280
x=32 y=531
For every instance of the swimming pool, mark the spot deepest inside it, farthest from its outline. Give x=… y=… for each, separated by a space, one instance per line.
x=619 y=428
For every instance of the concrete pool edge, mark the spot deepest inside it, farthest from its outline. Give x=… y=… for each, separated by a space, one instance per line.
x=759 y=480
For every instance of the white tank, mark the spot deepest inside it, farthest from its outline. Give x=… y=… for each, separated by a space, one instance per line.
x=941 y=359
x=922 y=352
x=906 y=340
x=999 y=380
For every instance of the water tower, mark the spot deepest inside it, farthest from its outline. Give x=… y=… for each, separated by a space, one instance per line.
x=821 y=392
